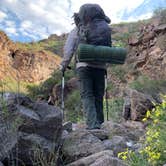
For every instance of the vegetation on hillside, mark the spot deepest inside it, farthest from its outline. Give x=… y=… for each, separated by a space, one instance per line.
x=54 y=45
x=160 y=13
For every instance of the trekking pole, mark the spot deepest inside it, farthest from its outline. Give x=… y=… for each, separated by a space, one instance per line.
x=106 y=95
x=62 y=95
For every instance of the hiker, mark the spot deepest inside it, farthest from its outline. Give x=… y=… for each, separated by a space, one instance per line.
x=91 y=28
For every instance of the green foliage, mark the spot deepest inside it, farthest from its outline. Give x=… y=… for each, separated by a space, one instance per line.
x=40 y=157
x=160 y=13
x=53 y=45
x=115 y=108
x=119 y=71
x=133 y=159
x=73 y=107
x=153 y=151
x=44 y=88
x=121 y=39
x=3 y=105
x=146 y=85
x=9 y=84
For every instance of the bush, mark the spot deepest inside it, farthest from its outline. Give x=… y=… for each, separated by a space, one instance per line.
x=161 y=13
x=115 y=108
x=45 y=88
x=119 y=71
x=146 y=85
x=73 y=107
x=153 y=151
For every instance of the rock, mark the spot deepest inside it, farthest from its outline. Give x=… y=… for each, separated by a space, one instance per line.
x=134 y=125
x=129 y=132
x=139 y=104
x=33 y=148
x=1 y=164
x=146 y=52
x=116 y=144
x=65 y=134
x=80 y=143
x=67 y=126
x=46 y=120
x=103 y=158
x=99 y=133
x=39 y=124
x=114 y=128
x=126 y=108
x=160 y=28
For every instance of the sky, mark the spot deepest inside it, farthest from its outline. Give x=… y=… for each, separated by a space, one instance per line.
x=33 y=20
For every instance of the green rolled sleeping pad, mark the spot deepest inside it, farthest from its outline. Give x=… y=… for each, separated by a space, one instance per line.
x=92 y=53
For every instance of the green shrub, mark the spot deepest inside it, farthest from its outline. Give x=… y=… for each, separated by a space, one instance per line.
x=115 y=108
x=119 y=71
x=146 y=85
x=73 y=107
x=153 y=151
x=160 y=13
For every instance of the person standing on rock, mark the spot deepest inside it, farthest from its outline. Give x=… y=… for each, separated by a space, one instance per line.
x=91 y=28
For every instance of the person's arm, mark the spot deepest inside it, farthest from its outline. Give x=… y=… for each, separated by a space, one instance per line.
x=69 y=48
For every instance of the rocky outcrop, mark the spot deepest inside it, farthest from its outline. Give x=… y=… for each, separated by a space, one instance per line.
x=136 y=105
x=100 y=147
x=29 y=129
x=103 y=158
x=80 y=143
x=34 y=66
x=147 y=51
x=21 y=65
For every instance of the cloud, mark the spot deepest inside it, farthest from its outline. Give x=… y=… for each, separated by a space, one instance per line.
x=11 y=30
x=38 y=19
x=2 y=15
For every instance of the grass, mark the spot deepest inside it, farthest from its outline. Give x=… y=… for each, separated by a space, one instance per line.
x=149 y=86
x=9 y=84
x=115 y=108
x=119 y=71
x=53 y=46
x=73 y=106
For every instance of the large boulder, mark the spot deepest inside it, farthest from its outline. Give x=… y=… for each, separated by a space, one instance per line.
x=1 y=164
x=103 y=158
x=80 y=143
x=116 y=144
x=26 y=124
x=136 y=105
x=129 y=130
x=33 y=148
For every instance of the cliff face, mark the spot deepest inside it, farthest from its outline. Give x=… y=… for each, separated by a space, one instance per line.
x=147 y=51
x=29 y=66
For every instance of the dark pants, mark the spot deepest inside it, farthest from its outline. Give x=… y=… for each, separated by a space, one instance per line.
x=92 y=85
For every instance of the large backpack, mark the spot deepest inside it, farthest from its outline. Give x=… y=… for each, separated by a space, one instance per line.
x=93 y=25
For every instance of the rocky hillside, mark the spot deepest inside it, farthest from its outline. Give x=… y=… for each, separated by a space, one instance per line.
x=146 y=44
x=147 y=51
x=25 y=65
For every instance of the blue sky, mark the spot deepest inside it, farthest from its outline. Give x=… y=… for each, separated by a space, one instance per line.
x=32 y=20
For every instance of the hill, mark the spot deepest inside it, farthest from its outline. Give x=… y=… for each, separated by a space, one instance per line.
x=25 y=62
